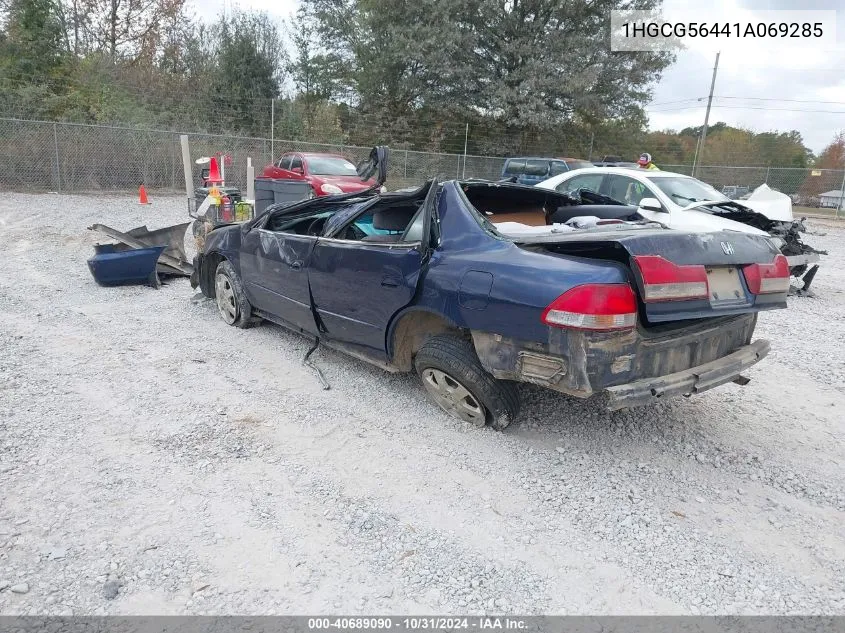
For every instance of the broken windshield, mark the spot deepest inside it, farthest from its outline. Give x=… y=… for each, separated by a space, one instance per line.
x=684 y=191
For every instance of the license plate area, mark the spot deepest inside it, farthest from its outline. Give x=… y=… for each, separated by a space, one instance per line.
x=725 y=286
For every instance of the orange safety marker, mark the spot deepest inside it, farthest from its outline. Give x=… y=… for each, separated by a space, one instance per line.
x=214 y=172
x=142 y=195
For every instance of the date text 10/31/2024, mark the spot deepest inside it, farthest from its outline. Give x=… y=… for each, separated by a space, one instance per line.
x=417 y=623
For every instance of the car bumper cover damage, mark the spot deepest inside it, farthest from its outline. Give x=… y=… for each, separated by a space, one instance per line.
x=694 y=380
x=629 y=369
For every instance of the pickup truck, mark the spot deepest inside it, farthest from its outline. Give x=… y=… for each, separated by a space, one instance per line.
x=472 y=287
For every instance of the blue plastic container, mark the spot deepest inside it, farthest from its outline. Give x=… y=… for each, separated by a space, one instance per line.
x=111 y=267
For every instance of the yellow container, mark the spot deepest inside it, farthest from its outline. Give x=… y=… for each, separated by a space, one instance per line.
x=243 y=211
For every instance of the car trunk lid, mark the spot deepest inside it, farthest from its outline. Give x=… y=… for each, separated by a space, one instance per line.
x=679 y=276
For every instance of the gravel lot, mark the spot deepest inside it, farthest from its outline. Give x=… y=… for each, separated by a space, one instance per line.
x=155 y=460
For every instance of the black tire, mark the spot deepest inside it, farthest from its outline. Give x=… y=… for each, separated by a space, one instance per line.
x=455 y=358
x=232 y=303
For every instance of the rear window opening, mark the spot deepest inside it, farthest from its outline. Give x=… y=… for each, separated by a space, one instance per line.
x=525 y=205
x=536 y=167
x=514 y=208
x=515 y=168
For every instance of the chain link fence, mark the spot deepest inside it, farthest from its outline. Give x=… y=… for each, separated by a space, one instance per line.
x=74 y=157
x=806 y=186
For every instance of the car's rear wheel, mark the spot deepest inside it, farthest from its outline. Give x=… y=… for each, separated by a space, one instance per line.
x=454 y=378
x=231 y=299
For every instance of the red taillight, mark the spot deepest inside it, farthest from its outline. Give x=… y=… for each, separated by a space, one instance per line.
x=594 y=307
x=765 y=279
x=665 y=281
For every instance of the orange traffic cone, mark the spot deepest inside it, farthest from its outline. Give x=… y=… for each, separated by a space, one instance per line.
x=213 y=172
x=142 y=195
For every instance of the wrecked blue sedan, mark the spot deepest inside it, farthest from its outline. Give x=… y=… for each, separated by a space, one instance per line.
x=474 y=287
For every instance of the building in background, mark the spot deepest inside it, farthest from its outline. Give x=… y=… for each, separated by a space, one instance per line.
x=831 y=199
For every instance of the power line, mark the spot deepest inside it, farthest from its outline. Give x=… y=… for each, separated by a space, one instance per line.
x=726 y=107
x=786 y=100
x=767 y=99
x=695 y=107
x=751 y=107
x=677 y=101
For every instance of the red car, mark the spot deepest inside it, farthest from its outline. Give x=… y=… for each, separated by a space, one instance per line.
x=328 y=174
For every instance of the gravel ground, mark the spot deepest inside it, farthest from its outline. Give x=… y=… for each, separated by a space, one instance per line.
x=155 y=460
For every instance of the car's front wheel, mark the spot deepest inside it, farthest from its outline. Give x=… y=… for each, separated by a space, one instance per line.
x=231 y=299
x=454 y=378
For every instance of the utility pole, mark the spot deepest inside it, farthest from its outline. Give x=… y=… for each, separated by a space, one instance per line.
x=706 y=116
x=466 y=141
x=272 y=130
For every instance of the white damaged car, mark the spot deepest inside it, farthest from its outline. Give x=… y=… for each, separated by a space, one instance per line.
x=685 y=203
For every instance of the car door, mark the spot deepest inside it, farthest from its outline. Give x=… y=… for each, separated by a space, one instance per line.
x=280 y=169
x=626 y=189
x=297 y=166
x=289 y=168
x=591 y=182
x=357 y=286
x=632 y=191
x=274 y=270
x=558 y=167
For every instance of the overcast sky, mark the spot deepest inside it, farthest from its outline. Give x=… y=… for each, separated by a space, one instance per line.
x=800 y=89
x=807 y=74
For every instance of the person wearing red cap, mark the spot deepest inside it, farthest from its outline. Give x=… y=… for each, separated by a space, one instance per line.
x=645 y=162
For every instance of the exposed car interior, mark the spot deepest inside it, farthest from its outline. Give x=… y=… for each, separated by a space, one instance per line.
x=525 y=205
x=310 y=223
x=386 y=221
x=390 y=220
x=540 y=207
x=400 y=219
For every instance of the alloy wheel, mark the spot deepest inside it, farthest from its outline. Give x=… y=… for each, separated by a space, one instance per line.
x=453 y=397
x=225 y=298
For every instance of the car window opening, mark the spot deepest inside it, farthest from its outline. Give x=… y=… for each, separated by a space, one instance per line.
x=302 y=224
x=388 y=221
x=684 y=191
x=330 y=166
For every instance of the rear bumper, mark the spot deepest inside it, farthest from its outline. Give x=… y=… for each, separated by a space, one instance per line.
x=693 y=380
x=632 y=367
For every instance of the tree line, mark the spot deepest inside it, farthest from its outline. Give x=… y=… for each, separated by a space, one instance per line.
x=501 y=78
